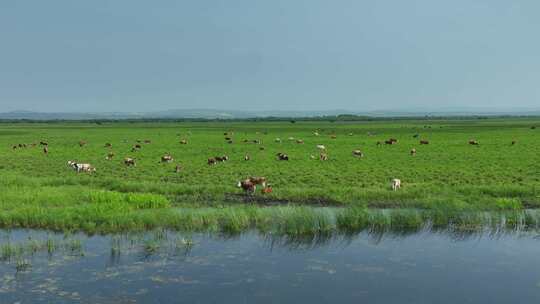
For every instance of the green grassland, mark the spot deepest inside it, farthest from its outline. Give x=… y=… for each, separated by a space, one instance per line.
x=38 y=190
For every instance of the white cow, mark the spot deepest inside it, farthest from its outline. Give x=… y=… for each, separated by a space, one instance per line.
x=396 y=184
x=321 y=147
x=81 y=167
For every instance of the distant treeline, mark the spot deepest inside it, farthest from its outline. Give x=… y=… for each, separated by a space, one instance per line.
x=332 y=118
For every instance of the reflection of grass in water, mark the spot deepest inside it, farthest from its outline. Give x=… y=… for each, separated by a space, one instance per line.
x=31 y=246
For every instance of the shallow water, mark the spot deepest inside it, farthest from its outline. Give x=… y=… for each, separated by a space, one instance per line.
x=170 y=267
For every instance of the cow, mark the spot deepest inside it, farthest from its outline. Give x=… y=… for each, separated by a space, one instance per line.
x=230 y=142
x=413 y=152
x=183 y=142
x=395 y=184
x=82 y=143
x=247 y=185
x=282 y=156
x=321 y=147
x=357 y=153
x=299 y=141
x=14 y=147
x=514 y=142
x=323 y=156
x=46 y=150
x=246 y=157
x=278 y=140
x=473 y=142
x=424 y=142
x=211 y=161
x=147 y=141
x=128 y=161
x=221 y=158
x=258 y=180
x=416 y=135
x=167 y=158
x=178 y=168
x=228 y=138
x=135 y=148
x=333 y=136
x=108 y=145
x=391 y=141
x=110 y=156
x=316 y=133
x=81 y=167
x=43 y=143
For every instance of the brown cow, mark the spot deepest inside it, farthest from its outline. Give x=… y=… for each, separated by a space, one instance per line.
x=424 y=142
x=248 y=186
x=212 y=161
x=82 y=143
x=258 y=180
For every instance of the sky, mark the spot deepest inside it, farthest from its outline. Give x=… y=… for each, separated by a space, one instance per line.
x=131 y=55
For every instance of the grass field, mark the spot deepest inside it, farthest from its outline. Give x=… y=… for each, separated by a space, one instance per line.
x=40 y=190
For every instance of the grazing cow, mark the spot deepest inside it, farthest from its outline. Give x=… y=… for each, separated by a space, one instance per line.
x=183 y=142
x=278 y=140
x=248 y=186
x=228 y=138
x=82 y=143
x=514 y=142
x=261 y=148
x=413 y=151
x=221 y=158
x=46 y=150
x=128 y=161
x=211 y=161
x=81 y=167
x=333 y=136
x=147 y=141
x=14 y=147
x=230 y=142
x=323 y=156
x=291 y=138
x=167 y=158
x=357 y=153
x=256 y=141
x=391 y=141
x=139 y=141
x=258 y=180
x=473 y=142
x=396 y=184
x=299 y=141
x=108 y=145
x=135 y=148
x=316 y=133
x=246 y=157
x=424 y=142
x=321 y=147
x=110 y=156
x=43 y=143
x=178 y=168
x=282 y=156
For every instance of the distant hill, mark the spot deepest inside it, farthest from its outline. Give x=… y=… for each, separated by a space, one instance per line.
x=232 y=114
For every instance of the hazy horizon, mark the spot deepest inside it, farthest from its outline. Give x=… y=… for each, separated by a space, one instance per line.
x=359 y=56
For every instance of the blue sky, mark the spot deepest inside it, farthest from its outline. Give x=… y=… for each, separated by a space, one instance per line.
x=132 y=55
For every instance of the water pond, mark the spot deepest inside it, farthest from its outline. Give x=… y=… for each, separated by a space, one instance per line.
x=171 y=267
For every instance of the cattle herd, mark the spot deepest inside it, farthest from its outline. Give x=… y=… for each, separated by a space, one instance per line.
x=248 y=185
